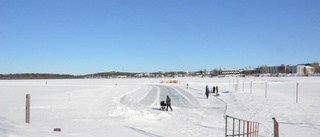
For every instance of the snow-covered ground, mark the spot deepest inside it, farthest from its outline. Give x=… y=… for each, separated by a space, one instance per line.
x=130 y=107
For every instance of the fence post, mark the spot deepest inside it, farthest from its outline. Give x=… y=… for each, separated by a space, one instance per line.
x=251 y=87
x=252 y=129
x=258 y=131
x=266 y=89
x=276 y=127
x=226 y=134
x=248 y=129
x=244 y=128
x=233 y=127
x=237 y=85
x=297 y=89
x=28 y=108
x=233 y=85
x=239 y=128
x=243 y=86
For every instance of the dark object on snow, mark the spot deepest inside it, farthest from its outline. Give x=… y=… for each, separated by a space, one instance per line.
x=207 y=91
x=168 y=101
x=217 y=89
x=213 y=89
x=57 y=129
x=162 y=105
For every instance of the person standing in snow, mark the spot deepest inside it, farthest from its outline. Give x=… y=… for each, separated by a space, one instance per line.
x=207 y=91
x=217 y=89
x=168 y=102
x=213 y=89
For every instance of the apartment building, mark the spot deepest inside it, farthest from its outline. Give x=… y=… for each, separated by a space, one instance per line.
x=295 y=69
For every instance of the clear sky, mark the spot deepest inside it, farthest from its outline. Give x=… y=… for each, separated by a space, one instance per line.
x=89 y=36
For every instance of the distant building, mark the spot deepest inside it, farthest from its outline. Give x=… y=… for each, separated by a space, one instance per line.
x=248 y=72
x=230 y=71
x=295 y=69
x=316 y=66
x=304 y=69
x=273 y=69
x=308 y=70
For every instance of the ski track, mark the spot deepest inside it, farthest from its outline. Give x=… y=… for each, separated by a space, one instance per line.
x=152 y=95
x=199 y=112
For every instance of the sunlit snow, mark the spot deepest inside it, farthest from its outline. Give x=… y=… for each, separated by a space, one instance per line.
x=130 y=107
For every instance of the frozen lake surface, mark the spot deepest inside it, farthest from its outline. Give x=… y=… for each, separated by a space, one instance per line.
x=130 y=107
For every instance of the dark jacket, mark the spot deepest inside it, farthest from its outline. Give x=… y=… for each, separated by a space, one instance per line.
x=168 y=101
x=207 y=90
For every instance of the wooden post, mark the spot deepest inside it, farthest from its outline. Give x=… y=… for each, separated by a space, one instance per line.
x=243 y=86
x=233 y=85
x=237 y=85
x=28 y=108
x=266 y=89
x=251 y=87
x=275 y=127
x=297 y=89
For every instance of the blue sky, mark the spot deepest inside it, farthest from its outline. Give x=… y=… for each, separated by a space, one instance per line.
x=85 y=36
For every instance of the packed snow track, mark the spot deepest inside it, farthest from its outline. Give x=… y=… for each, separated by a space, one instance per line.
x=151 y=96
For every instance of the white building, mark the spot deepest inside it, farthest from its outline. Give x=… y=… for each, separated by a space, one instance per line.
x=295 y=69
x=301 y=69
x=230 y=71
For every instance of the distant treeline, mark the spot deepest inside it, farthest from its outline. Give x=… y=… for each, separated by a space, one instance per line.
x=38 y=76
x=112 y=74
x=115 y=74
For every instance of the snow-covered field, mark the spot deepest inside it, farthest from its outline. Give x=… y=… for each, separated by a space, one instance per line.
x=130 y=107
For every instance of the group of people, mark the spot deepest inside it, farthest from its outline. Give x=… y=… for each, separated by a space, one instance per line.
x=214 y=89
